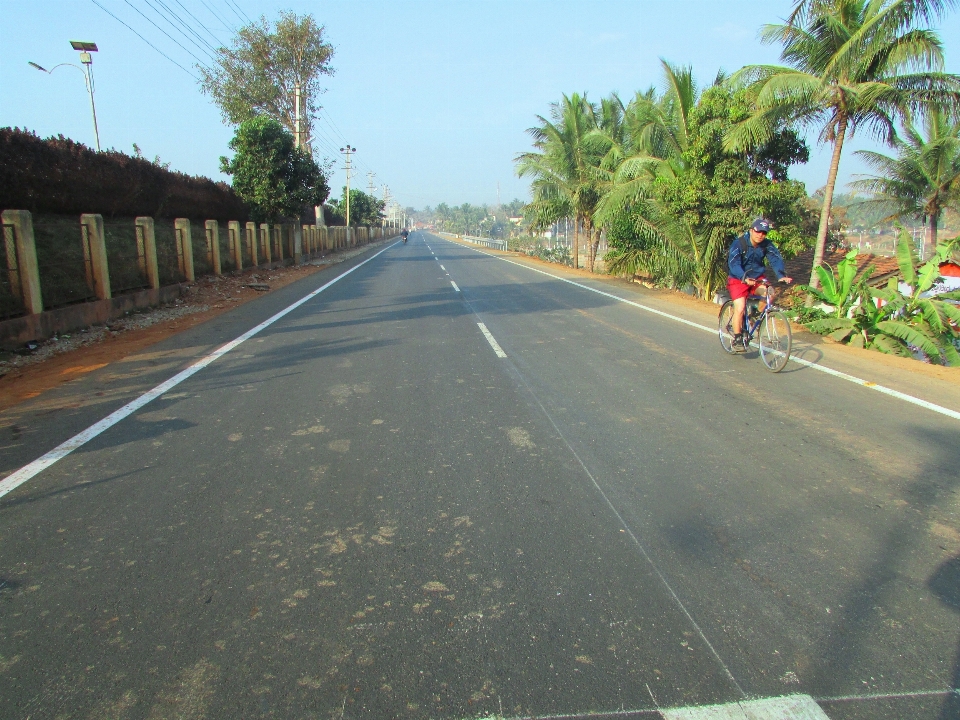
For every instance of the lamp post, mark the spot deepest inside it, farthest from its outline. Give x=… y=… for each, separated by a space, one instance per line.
x=86 y=59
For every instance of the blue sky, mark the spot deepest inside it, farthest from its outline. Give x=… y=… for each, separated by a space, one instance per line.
x=436 y=95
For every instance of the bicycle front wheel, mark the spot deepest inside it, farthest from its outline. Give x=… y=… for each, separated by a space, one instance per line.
x=726 y=326
x=775 y=340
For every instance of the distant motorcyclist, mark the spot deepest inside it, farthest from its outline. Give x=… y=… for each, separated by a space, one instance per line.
x=404 y=233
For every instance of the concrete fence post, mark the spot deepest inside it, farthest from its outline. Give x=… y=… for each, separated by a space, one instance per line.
x=265 y=242
x=95 y=255
x=22 y=259
x=213 y=245
x=324 y=238
x=181 y=229
x=306 y=234
x=147 y=250
x=251 y=238
x=297 y=232
x=235 y=244
x=278 y=242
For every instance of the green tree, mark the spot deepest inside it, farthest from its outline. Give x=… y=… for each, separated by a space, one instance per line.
x=851 y=64
x=676 y=197
x=276 y=179
x=365 y=210
x=923 y=180
x=265 y=67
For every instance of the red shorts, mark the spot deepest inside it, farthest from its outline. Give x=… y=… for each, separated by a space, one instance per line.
x=739 y=289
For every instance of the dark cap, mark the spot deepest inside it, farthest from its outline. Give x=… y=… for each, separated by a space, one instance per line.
x=761 y=225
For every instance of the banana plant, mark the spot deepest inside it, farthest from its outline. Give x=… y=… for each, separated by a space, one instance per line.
x=900 y=323
x=837 y=288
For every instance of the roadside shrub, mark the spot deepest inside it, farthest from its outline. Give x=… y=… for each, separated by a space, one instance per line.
x=60 y=176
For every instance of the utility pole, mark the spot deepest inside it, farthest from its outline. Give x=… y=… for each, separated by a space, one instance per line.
x=296 y=121
x=370 y=186
x=498 y=193
x=348 y=151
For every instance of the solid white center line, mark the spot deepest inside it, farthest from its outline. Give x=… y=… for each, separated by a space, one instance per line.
x=492 y=340
x=17 y=478
x=454 y=286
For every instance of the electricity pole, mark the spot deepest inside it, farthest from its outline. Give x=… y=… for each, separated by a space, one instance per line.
x=296 y=121
x=348 y=151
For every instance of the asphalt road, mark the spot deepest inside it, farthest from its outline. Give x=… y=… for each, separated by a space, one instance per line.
x=363 y=510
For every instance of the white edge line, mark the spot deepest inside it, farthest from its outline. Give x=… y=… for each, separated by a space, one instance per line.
x=454 y=286
x=813 y=366
x=18 y=477
x=492 y=340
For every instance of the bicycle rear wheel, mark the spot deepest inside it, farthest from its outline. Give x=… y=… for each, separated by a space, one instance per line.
x=775 y=340
x=726 y=326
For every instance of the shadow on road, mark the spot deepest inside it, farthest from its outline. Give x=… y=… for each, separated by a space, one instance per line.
x=860 y=621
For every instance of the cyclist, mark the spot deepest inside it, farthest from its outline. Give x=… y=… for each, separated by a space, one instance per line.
x=747 y=272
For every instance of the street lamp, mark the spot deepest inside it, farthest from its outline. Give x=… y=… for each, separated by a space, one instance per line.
x=86 y=59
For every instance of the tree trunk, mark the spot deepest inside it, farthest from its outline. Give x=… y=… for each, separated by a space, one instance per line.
x=593 y=249
x=576 y=241
x=932 y=247
x=590 y=233
x=827 y=204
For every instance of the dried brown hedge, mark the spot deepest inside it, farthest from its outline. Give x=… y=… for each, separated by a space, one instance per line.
x=58 y=175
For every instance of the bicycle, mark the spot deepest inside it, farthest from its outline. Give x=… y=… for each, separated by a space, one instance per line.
x=770 y=326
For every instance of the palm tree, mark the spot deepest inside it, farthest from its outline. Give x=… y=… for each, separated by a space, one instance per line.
x=852 y=64
x=564 y=165
x=923 y=179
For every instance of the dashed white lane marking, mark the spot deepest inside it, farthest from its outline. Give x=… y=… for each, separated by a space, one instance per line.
x=713 y=331
x=492 y=340
x=454 y=286
x=17 y=478
x=442 y=267
x=792 y=707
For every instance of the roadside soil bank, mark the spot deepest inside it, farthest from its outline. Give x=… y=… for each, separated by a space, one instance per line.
x=41 y=366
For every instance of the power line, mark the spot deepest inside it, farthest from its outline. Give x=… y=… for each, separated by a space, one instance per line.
x=173 y=25
x=230 y=8
x=145 y=40
x=234 y=4
x=163 y=31
x=180 y=20
x=200 y=23
x=220 y=19
x=249 y=19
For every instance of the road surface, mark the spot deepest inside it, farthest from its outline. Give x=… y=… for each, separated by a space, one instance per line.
x=451 y=485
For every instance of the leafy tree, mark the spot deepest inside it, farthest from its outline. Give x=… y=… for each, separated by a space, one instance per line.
x=677 y=198
x=365 y=210
x=276 y=179
x=261 y=71
x=851 y=64
x=923 y=180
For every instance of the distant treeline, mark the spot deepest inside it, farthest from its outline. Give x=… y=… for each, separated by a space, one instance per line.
x=58 y=175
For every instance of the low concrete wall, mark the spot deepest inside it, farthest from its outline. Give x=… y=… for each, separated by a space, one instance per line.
x=40 y=326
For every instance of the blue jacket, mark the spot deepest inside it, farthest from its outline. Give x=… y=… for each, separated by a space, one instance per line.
x=744 y=260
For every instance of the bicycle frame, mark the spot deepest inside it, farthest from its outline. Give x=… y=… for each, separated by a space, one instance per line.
x=751 y=328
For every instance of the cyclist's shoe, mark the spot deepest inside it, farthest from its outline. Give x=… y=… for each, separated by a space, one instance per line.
x=739 y=343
